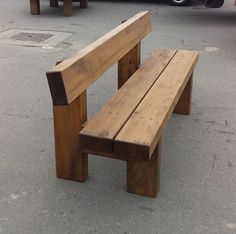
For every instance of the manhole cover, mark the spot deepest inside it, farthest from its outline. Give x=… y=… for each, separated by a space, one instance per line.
x=37 y=37
x=33 y=38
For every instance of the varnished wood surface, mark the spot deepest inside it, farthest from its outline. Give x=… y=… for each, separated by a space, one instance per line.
x=67 y=8
x=143 y=176
x=99 y=133
x=35 y=7
x=128 y=64
x=71 y=163
x=130 y=125
x=74 y=75
x=142 y=131
x=183 y=106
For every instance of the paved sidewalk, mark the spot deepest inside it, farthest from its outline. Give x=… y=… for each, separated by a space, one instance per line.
x=198 y=177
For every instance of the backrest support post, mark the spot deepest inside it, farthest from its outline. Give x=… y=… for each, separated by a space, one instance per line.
x=71 y=163
x=128 y=64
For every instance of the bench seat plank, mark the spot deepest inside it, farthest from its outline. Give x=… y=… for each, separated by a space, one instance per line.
x=141 y=133
x=99 y=133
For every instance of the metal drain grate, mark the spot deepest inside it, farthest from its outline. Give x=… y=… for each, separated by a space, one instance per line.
x=36 y=37
x=33 y=38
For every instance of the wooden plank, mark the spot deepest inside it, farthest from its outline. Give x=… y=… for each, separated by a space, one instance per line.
x=71 y=163
x=67 y=7
x=141 y=133
x=35 y=7
x=143 y=177
x=71 y=77
x=183 y=106
x=99 y=133
x=128 y=64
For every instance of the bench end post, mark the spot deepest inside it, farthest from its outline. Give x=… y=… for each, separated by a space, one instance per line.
x=71 y=163
x=143 y=176
x=67 y=8
x=183 y=105
x=35 y=7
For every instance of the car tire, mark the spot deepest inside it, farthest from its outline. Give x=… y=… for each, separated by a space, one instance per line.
x=214 y=3
x=179 y=2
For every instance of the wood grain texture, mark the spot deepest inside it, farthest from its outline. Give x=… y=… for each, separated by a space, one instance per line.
x=74 y=75
x=141 y=133
x=71 y=163
x=35 y=7
x=183 y=106
x=67 y=8
x=128 y=64
x=143 y=177
x=99 y=133
x=83 y=3
x=53 y=3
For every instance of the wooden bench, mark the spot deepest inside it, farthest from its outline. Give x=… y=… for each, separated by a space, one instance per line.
x=129 y=127
x=67 y=6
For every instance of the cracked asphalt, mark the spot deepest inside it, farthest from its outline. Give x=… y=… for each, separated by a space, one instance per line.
x=198 y=176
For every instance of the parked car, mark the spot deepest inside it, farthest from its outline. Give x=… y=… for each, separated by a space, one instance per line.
x=208 y=3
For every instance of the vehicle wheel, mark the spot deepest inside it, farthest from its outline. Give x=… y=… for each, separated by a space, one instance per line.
x=214 y=3
x=179 y=2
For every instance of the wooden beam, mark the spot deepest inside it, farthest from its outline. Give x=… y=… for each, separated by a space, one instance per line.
x=35 y=7
x=71 y=163
x=129 y=64
x=67 y=7
x=71 y=77
x=100 y=132
x=183 y=106
x=143 y=177
x=141 y=133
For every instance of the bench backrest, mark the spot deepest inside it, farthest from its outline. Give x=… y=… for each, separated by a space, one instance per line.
x=74 y=75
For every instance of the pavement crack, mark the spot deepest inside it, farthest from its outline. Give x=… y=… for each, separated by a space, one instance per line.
x=228 y=162
x=225 y=132
x=205 y=131
x=214 y=162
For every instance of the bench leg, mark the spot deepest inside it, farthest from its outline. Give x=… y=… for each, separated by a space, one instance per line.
x=143 y=177
x=53 y=3
x=128 y=65
x=71 y=164
x=67 y=8
x=35 y=7
x=184 y=104
x=83 y=3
